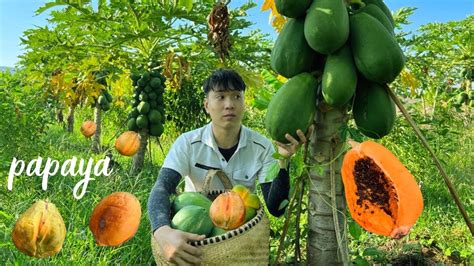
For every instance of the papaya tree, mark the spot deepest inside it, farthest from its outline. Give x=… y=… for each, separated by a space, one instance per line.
x=142 y=31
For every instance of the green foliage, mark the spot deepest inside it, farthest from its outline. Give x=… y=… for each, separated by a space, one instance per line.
x=25 y=117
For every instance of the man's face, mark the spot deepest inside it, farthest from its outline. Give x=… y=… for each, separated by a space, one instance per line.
x=225 y=107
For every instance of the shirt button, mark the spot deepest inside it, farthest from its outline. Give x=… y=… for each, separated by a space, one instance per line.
x=223 y=159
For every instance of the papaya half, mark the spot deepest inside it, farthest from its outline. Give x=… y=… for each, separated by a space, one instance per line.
x=381 y=194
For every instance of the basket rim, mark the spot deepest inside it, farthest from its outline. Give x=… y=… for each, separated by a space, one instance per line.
x=232 y=233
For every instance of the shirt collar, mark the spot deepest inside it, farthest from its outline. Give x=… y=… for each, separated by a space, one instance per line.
x=208 y=138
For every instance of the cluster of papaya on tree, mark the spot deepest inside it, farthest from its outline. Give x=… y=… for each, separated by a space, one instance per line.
x=464 y=98
x=195 y=213
x=337 y=53
x=148 y=110
x=105 y=98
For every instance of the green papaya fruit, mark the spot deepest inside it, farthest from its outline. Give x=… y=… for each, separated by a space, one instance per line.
x=132 y=124
x=382 y=7
x=156 y=130
x=153 y=104
x=135 y=102
x=154 y=116
x=143 y=108
x=146 y=76
x=142 y=121
x=142 y=83
x=135 y=76
x=108 y=96
x=292 y=8
x=373 y=110
x=377 y=13
x=326 y=26
x=143 y=96
x=377 y=55
x=291 y=53
x=339 y=79
x=154 y=74
x=471 y=95
x=152 y=95
x=159 y=99
x=102 y=99
x=134 y=113
x=155 y=83
x=292 y=107
x=471 y=103
x=148 y=88
x=105 y=106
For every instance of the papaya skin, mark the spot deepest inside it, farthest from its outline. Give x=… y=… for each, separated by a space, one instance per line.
x=380 y=4
x=377 y=13
x=326 y=26
x=291 y=54
x=377 y=55
x=40 y=230
x=339 y=77
x=374 y=111
x=292 y=8
x=292 y=107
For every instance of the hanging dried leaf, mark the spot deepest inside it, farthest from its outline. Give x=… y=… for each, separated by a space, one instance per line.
x=218 y=22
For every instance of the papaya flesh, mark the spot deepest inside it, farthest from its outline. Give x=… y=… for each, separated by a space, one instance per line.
x=339 y=77
x=292 y=8
x=291 y=53
x=292 y=107
x=326 y=26
x=381 y=194
x=377 y=55
x=374 y=111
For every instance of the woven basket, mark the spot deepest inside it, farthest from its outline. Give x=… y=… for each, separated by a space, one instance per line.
x=245 y=245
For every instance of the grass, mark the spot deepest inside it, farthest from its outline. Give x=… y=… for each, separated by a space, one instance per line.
x=440 y=229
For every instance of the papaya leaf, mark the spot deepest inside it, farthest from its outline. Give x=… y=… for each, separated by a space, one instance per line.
x=283 y=204
x=6 y=215
x=355 y=230
x=272 y=172
x=373 y=252
x=359 y=261
x=49 y=5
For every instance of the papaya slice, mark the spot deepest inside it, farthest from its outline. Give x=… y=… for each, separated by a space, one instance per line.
x=381 y=194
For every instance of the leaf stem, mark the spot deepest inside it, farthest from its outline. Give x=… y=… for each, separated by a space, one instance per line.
x=418 y=133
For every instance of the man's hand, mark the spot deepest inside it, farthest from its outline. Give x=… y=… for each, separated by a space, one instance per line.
x=174 y=246
x=287 y=150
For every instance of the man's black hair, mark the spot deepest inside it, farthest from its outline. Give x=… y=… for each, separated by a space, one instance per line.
x=224 y=79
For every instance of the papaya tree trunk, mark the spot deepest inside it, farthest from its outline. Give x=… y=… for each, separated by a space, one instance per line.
x=327 y=238
x=139 y=157
x=97 y=120
x=70 y=118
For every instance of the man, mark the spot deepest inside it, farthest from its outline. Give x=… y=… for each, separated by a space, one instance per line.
x=244 y=155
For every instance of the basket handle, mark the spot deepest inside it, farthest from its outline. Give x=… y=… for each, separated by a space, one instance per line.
x=210 y=175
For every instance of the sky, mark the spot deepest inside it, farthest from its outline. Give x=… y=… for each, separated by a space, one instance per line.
x=16 y=16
